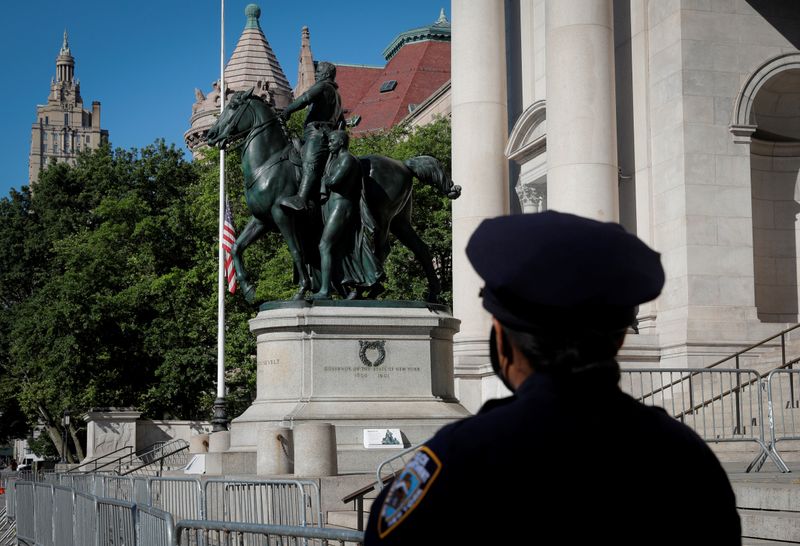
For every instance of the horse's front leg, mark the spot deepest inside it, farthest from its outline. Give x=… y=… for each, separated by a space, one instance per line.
x=252 y=231
x=285 y=223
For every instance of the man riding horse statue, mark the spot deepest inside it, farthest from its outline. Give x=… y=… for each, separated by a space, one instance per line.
x=324 y=115
x=366 y=198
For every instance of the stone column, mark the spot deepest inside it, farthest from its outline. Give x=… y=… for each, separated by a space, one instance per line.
x=581 y=109
x=480 y=132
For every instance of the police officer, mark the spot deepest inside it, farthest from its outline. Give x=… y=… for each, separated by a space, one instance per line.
x=568 y=458
x=324 y=115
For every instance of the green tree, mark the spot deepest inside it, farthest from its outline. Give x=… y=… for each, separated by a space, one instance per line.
x=115 y=302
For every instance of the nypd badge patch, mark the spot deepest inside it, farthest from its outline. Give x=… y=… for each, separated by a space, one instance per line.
x=408 y=489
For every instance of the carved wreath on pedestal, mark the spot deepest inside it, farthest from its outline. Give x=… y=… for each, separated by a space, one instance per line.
x=365 y=346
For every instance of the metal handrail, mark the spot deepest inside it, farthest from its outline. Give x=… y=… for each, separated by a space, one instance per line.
x=736 y=356
x=781 y=334
x=160 y=459
x=131 y=457
x=95 y=461
x=733 y=390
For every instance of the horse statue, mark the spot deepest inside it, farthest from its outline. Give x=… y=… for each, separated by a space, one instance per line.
x=271 y=172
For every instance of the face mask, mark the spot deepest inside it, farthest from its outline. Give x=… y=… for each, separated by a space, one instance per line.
x=495 y=359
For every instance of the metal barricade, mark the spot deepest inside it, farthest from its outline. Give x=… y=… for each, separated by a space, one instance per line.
x=25 y=504
x=218 y=533
x=83 y=483
x=117 y=487
x=116 y=522
x=181 y=497
x=11 y=491
x=154 y=527
x=394 y=464
x=783 y=387
x=720 y=405
x=274 y=502
x=63 y=514
x=141 y=490
x=43 y=514
x=85 y=531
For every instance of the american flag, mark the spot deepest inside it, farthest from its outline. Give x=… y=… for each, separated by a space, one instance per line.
x=228 y=238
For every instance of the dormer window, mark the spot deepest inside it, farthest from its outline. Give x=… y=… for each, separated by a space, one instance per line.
x=388 y=86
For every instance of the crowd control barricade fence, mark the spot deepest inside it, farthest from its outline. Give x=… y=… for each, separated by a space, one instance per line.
x=43 y=513
x=394 y=464
x=85 y=520
x=117 y=487
x=720 y=405
x=181 y=497
x=783 y=395
x=218 y=533
x=116 y=522
x=63 y=516
x=154 y=527
x=273 y=502
x=10 y=496
x=26 y=527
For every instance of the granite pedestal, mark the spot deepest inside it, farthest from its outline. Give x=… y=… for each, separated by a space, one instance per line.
x=357 y=365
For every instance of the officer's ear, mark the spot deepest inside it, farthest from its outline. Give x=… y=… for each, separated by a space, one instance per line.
x=503 y=342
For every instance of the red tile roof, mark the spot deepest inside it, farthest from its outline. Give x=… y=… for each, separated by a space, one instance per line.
x=418 y=68
x=354 y=80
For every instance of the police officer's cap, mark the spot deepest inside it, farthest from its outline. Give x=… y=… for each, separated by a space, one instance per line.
x=557 y=269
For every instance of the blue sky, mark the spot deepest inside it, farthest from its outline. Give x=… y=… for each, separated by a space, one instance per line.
x=142 y=59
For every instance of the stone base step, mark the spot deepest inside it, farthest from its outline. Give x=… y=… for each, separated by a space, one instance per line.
x=768 y=496
x=770 y=525
x=347 y=520
x=759 y=542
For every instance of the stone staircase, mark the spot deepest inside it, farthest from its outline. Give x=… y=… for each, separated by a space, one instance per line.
x=769 y=507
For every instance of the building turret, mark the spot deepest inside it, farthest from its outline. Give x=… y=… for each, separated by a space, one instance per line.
x=253 y=64
x=65 y=63
x=305 y=69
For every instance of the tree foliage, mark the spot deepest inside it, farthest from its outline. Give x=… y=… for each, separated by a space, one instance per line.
x=109 y=297
x=108 y=288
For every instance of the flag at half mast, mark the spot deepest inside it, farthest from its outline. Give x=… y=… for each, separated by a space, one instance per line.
x=228 y=238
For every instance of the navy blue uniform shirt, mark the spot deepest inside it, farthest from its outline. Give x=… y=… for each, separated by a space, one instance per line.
x=563 y=461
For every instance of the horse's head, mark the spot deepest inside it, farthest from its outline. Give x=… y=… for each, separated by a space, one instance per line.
x=243 y=112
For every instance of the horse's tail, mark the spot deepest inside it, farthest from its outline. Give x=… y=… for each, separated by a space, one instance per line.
x=430 y=171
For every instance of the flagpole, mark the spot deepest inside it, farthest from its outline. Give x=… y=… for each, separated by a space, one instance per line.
x=220 y=420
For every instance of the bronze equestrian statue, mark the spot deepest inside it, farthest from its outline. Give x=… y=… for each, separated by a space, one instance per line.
x=270 y=176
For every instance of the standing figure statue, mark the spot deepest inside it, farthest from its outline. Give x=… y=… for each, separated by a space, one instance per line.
x=346 y=257
x=324 y=115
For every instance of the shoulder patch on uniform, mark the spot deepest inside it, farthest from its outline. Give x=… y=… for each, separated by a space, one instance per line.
x=408 y=489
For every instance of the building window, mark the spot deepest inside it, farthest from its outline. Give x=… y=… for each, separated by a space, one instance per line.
x=44 y=137
x=87 y=139
x=47 y=120
x=388 y=86
x=44 y=148
x=66 y=119
x=55 y=148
